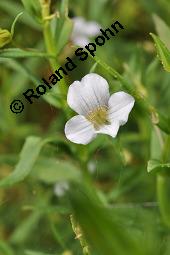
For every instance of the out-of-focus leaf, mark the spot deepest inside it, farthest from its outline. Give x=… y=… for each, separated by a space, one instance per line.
x=156 y=140
x=96 y=8
x=64 y=35
x=19 y=53
x=102 y=233
x=5 y=249
x=163 y=52
x=25 y=228
x=37 y=253
x=57 y=171
x=156 y=166
x=163 y=191
x=163 y=30
x=52 y=97
x=62 y=27
x=28 y=156
x=163 y=123
x=33 y=7
x=13 y=8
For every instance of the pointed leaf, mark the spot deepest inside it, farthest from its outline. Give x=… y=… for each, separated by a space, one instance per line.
x=163 y=52
x=163 y=30
x=28 y=156
x=155 y=166
x=19 y=53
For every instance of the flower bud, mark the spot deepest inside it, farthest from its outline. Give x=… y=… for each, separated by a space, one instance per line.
x=5 y=37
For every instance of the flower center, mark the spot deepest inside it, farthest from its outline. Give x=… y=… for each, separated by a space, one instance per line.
x=98 y=117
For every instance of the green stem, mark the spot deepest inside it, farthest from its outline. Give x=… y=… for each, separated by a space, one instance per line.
x=50 y=47
x=163 y=193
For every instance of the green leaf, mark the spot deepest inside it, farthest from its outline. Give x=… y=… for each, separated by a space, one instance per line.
x=64 y=35
x=155 y=166
x=156 y=143
x=52 y=97
x=28 y=156
x=27 y=159
x=14 y=23
x=25 y=228
x=98 y=225
x=64 y=8
x=19 y=53
x=163 y=30
x=5 y=249
x=62 y=27
x=33 y=7
x=12 y=9
x=37 y=253
x=96 y=8
x=163 y=123
x=57 y=171
x=163 y=52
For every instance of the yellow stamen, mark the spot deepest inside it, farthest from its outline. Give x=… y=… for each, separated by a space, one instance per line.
x=98 y=117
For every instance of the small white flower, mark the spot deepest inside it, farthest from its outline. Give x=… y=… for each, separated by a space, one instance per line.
x=60 y=188
x=98 y=111
x=82 y=30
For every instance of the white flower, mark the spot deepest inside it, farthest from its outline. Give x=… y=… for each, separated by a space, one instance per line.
x=60 y=188
x=82 y=30
x=98 y=111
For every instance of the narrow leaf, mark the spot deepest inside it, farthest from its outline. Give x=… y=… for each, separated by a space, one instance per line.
x=163 y=30
x=163 y=52
x=19 y=53
x=14 y=23
x=64 y=35
x=28 y=156
x=57 y=171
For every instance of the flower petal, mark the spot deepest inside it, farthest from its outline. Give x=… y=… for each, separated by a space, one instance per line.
x=111 y=129
x=92 y=28
x=81 y=27
x=120 y=105
x=80 y=40
x=91 y=92
x=79 y=130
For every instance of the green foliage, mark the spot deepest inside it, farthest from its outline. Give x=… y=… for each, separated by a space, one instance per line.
x=155 y=165
x=28 y=157
x=163 y=52
x=19 y=53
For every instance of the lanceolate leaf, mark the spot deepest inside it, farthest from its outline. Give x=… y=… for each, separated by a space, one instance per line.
x=163 y=52
x=64 y=35
x=57 y=171
x=162 y=30
x=19 y=53
x=51 y=97
x=28 y=156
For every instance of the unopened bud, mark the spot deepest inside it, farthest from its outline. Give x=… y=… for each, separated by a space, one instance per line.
x=5 y=37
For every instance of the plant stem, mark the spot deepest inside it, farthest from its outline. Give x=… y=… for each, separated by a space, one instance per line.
x=163 y=193
x=50 y=47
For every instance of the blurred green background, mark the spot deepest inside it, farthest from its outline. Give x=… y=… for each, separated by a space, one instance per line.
x=104 y=185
